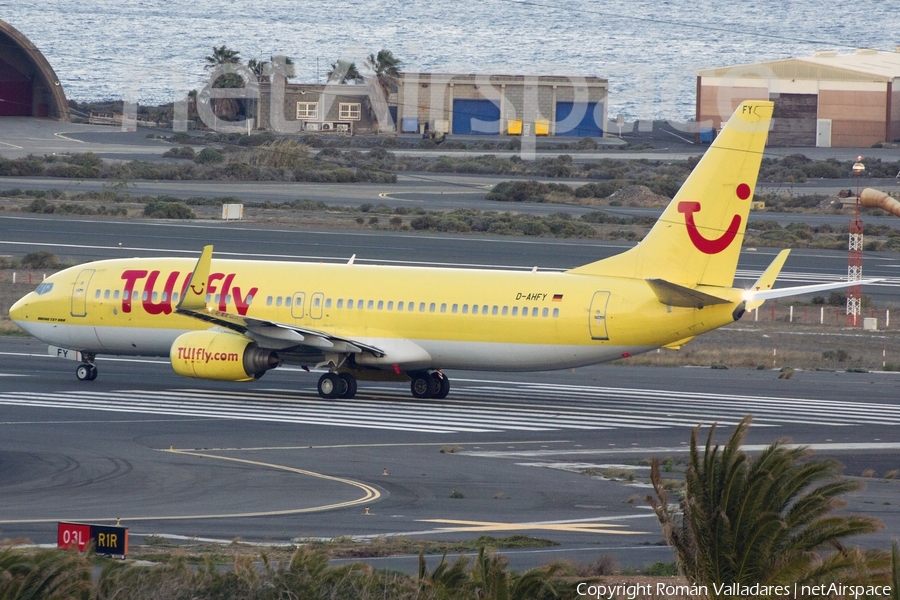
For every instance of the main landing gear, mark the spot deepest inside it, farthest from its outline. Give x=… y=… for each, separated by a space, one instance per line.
x=430 y=385
x=337 y=385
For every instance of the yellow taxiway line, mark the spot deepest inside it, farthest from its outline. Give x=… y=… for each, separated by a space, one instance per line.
x=370 y=494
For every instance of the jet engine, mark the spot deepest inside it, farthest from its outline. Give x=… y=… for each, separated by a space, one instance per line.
x=220 y=355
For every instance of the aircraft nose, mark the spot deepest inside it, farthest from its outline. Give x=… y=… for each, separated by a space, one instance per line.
x=18 y=312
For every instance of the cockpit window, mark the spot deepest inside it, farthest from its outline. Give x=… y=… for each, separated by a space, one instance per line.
x=43 y=288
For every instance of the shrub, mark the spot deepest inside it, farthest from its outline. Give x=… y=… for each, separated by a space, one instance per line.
x=40 y=260
x=181 y=152
x=209 y=156
x=169 y=210
x=519 y=191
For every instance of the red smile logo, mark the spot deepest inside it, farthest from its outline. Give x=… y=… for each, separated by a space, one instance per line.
x=716 y=245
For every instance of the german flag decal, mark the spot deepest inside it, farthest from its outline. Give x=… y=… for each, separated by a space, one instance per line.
x=557 y=297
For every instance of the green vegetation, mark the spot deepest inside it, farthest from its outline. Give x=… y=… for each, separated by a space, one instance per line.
x=769 y=519
x=57 y=574
x=168 y=210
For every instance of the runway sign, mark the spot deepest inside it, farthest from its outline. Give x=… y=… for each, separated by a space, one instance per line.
x=106 y=540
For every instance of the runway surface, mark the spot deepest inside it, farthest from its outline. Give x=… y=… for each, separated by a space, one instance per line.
x=272 y=462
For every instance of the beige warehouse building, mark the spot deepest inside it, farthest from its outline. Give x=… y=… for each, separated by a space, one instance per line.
x=826 y=100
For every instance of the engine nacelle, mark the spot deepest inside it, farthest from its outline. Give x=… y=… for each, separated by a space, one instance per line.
x=220 y=355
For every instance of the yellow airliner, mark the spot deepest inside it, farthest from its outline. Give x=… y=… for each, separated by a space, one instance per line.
x=234 y=320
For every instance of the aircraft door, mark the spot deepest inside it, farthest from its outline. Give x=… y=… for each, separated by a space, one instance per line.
x=80 y=292
x=315 y=305
x=297 y=305
x=598 y=316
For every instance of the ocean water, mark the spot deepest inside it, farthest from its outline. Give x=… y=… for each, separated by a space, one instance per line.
x=151 y=50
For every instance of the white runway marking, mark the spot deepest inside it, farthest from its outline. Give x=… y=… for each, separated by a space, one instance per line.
x=478 y=407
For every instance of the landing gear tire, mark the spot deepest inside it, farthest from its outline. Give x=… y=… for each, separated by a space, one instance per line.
x=348 y=387
x=423 y=385
x=443 y=386
x=86 y=372
x=330 y=386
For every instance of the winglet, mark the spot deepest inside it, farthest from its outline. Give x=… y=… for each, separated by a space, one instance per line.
x=767 y=280
x=194 y=297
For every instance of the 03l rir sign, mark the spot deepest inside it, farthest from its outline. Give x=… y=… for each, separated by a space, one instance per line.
x=105 y=540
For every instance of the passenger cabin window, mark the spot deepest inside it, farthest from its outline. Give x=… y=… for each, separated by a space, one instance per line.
x=278 y=301
x=544 y=312
x=341 y=303
x=534 y=311
x=350 y=303
x=494 y=310
x=106 y=295
x=381 y=305
x=505 y=310
x=465 y=309
x=555 y=313
x=269 y=301
x=328 y=303
x=515 y=311
x=288 y=300
x=399 y=306
x=455 y=308
x=115 y=294
x=97 y=294
x=444 y=307
x=391 y=305
x=371 y=304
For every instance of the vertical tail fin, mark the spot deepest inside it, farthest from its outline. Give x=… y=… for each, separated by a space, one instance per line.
x=697 y=240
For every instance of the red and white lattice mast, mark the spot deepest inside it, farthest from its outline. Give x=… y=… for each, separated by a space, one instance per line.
x=854 y=257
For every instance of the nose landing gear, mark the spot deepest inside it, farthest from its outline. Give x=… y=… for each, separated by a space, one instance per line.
x=86 y=372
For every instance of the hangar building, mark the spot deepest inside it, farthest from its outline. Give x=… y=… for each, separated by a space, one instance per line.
x=829 y=99
x=28 y=85
x=455 y=104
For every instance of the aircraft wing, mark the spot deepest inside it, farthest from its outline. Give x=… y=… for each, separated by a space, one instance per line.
x=269 y=334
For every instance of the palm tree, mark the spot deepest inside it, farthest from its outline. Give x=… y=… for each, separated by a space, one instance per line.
x=260 y=68
x=225 y=107
x=766 y=520
x=386 y=68
x=263 y=69
x=344 y=71
x=222 y=56
x=46 y=574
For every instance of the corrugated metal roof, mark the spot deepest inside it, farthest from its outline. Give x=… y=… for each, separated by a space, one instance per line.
x=864 y=65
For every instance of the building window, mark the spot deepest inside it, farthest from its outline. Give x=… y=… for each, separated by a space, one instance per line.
x=307 y=110
x=350 y=111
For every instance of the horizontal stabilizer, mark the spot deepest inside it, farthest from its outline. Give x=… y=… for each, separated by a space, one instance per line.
x=753 y=295
x=672 y=294
x=767 y=280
